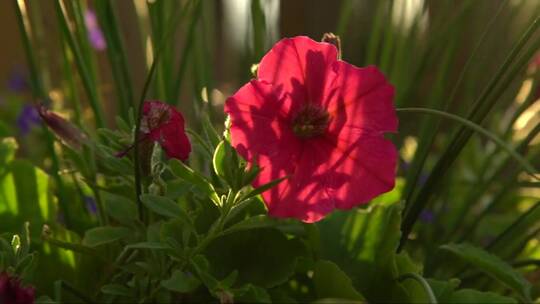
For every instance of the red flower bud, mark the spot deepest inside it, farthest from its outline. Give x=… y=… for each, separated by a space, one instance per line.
x=12 y=292
x=68 y=133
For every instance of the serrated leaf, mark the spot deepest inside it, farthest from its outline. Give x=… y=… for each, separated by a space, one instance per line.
x=492 y=266
x=332 y=282
x=105 y=235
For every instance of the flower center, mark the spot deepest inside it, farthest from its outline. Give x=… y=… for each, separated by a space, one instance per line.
x=155 y=118
x=311 y=121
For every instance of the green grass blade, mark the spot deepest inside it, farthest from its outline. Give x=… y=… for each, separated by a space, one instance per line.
x=431 y=128
x=116 y=55
x=478 y=128
x=481 y=109
x=186 y=53
x=82 y=65
x=258 y=22
x=38 y=92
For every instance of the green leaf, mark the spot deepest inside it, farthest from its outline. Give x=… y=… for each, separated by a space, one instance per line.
x=264 y=257
x=220 y=161
x=332 y=282
x=369 y=237
x=443 y=289
x=117 y=290
x=265 y=187
x=8 y=147
x=181 y=282
x=148 y=245
x=262 y=221
x=493 y=266
x=186 y=173
x=474 y=296
x=104 y=235
x=25 y=196
x=119 y=207
x=375 y=250
x=250 y=293
x=165 y=206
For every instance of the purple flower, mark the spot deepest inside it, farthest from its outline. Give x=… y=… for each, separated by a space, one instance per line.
x=28 y=117
x=90 y=204
x=427 y=216
x=18 y=81
x=95 y=35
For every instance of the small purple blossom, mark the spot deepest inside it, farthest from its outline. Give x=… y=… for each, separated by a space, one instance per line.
x=95 y=35
x=28 y=118
x=18 y=81
x=90 y=204
x=427 y=216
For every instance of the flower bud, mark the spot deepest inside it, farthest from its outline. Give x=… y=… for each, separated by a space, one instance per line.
x=11 y=290
x=68 y=133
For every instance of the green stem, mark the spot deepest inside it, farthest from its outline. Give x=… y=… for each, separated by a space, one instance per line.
x=423 y=282
x=172 y=22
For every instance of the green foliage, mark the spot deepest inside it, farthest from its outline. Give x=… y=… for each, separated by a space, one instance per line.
x=104 y=235
x=493 y=266
x=141 y=228
x=332 y=282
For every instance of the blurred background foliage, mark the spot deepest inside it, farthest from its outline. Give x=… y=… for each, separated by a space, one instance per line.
x=479 y=59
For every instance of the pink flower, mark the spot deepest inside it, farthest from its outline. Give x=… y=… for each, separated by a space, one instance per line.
x=164 y=124
x=12 y=292
x=320 y=121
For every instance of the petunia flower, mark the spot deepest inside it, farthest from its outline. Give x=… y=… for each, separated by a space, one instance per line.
x=12 y=292
x=319 y=120
x=163 y=124
x=95 y=35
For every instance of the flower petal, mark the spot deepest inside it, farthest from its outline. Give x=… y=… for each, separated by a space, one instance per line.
x=259 y=128
x=174 y=139
x=304 y=194
x=359 y=169
x=361 y=98
x=300 y=67
x=166 y=126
